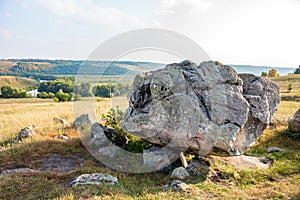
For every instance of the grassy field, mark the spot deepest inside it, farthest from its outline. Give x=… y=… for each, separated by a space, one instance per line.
x=281 y=181
x=17 y=82
x=284 y=81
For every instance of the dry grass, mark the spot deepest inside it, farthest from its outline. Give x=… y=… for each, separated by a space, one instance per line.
x=283 y=82
x=281 y=181
x=17 y=82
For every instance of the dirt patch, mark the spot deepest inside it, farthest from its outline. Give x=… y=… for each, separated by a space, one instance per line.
x=58 y=163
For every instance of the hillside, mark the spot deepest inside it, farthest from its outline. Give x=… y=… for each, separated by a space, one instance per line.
x=39 y=68
x=46 y=69
x=17 y=82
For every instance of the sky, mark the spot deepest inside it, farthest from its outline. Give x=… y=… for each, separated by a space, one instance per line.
x=252 y=32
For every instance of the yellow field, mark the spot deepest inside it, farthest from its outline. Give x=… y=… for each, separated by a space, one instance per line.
x=15 y=114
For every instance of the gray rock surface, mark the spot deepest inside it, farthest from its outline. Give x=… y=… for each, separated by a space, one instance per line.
x=294 y=122
x=82 y=122
x=24 y=133
x=97 y=135
x=180 y=173
x=157 y=158
x=207 y=109
x=94 y=179
x=198 y=167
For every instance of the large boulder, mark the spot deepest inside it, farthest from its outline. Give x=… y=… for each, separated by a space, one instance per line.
x=205 y=109
x=294 y=122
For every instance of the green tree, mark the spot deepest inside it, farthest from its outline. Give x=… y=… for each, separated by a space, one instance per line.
x=10 y=92
x=264 y=74
x=297 y=71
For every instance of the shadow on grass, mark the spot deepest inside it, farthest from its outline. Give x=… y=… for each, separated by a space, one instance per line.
x=53 y=184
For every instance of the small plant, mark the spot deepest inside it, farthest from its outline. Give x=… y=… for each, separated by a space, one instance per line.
x=133 y=143
x=289 y=87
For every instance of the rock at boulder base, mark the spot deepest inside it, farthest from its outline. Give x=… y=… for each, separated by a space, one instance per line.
x=294 y=122
x=180 y=173
x=177 y=185
x=94 y=179
x=205 y=109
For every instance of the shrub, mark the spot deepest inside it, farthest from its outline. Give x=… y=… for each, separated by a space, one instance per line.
x=264 y=74
x=289 y=87
x=61 y=96
x=10 y=92
x=45 y=95
x=55 y=99
x=273 y=73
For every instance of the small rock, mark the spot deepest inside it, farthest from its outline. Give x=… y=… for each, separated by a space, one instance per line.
x=197 y=167
x=156 y=158
x=82 y=122
x=94 y=179
x=98 y=137
x=60 y=121
x=63 y=137
x=274 y=149
x=177 y=185
x=19 y=170
x=180 y=173
x=24 y=133
x=294 y=122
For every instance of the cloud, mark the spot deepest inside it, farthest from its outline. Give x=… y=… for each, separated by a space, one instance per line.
x=88 y=13
x=4 y=34
x=181 y=6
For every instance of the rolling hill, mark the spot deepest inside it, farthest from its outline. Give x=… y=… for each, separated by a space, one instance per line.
x=48 y=69
x=17 y=82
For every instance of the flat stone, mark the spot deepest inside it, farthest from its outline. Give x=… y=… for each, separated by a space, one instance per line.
x=274 y=149
x=243 y=162
x=19 y=170
x=94 y=179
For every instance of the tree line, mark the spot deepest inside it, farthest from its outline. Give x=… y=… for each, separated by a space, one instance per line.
x=65 y=89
